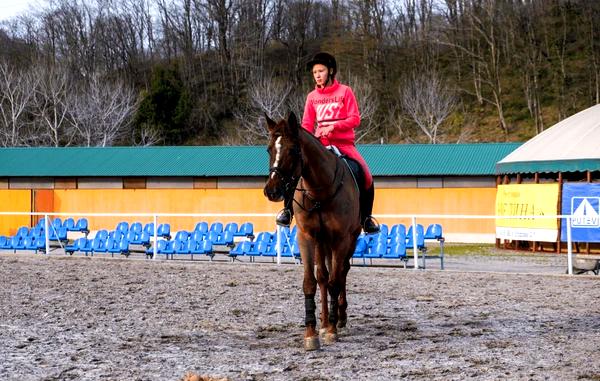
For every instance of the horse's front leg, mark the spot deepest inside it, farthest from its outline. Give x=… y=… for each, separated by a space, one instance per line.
x=322 y=280
x=309 y=286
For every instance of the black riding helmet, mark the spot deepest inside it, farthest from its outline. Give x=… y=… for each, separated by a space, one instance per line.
x=325 y=59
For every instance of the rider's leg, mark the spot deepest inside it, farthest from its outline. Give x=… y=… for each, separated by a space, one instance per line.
x=285 y=215
x=367 y=196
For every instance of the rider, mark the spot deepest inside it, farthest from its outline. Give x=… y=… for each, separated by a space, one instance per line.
x=335 y=110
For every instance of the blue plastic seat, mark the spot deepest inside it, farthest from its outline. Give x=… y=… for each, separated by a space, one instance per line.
x=136 y=227
x=23 y=232
x=207 y=248
x=231 y=227
x=376 y=251
x=396 y=251
x=85 y=245
x=149 y=228
x=182 y=235
x=181 y=246
x=164 y=230
x=240 y=249
x=75 y=246
x=29 y=244
x=420 y=237
x=16 y=243
x=69 y=223
x=197 y=235
x=245 y=230
x=164 y=247
x=201 y=227
x=82 y=226
x=361 y=247
x=99 y=243
x=434 y=231
x=216 y=227
x=59 y=234
x=253 y=250
x=56 y=224
x=398 y=229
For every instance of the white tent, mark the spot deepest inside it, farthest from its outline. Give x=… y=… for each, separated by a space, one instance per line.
x=569 y=146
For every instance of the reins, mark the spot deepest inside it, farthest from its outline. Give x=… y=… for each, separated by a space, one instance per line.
x=290 y=184
x=317 y=204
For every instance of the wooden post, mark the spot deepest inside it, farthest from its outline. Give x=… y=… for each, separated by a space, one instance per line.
x=560 y=222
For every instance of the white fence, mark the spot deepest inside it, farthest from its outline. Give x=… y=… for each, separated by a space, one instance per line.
x=414 y=220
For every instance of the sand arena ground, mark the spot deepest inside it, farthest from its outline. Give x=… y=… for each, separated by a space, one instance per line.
x=64 y=318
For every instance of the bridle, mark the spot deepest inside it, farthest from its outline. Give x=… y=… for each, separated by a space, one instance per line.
x=290 y=182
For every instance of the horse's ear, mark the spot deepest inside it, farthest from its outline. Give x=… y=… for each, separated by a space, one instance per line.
x=270 y=122
x=292 y=124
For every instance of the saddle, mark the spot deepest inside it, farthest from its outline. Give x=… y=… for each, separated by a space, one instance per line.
x=357 y=172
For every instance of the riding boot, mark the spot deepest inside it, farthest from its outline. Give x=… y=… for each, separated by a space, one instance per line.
x=369 y=224
x=285 y=215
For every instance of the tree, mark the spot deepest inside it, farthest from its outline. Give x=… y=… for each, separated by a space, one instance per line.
x=266 y=95
x=102 y=111
x=165 y=107
x=50 y=106
x=428 y=102
x=17 y=88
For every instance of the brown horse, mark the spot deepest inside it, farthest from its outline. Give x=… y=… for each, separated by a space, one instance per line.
x=326 y=206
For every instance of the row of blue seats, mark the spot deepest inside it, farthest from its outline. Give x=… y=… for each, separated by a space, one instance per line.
x=266 y=244
x=388 y=243
x=69 y=224
x=199 y=241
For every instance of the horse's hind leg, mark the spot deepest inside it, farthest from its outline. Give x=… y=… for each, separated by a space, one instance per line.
x=342 y=301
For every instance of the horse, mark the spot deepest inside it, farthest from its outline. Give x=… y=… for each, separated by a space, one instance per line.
x=326 y=206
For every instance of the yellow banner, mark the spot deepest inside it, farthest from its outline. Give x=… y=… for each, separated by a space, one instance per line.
x=527 y=200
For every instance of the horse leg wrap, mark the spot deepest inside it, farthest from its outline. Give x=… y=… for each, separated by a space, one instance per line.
x=333 y=310
x=310 y=308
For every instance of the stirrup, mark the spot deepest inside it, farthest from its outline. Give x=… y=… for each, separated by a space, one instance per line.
x=370 y=225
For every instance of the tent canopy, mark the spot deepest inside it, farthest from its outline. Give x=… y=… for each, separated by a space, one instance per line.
x=571 y=145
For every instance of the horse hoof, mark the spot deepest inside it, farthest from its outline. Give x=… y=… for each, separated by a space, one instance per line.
x=330 y=338
x=342 y=323
x=312 y=343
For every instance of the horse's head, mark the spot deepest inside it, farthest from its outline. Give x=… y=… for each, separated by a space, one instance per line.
x=285 y=157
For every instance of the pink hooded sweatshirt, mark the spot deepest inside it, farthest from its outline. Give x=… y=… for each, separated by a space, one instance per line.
x=336 y=105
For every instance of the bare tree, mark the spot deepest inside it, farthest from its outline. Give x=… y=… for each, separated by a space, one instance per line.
x=368 y=104
x=102 y=111
x=17 y=89
x=266 y=95
x=428 y=102
x=50 y=108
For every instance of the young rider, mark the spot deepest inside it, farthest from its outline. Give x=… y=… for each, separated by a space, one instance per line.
x=334 y=109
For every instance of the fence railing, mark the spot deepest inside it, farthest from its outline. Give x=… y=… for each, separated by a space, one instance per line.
x=413 y=218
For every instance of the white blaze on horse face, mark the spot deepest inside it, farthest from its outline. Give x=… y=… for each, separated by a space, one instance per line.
x=277 y=154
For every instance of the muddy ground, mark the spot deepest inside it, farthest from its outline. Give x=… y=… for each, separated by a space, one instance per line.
x=64 y=318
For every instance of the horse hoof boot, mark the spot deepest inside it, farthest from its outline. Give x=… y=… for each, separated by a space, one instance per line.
x=312 y=343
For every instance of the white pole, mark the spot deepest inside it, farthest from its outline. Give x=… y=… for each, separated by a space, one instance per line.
x=569 y=248
x=155 y=246
x=414 y=236
x=47 y=234
x=279 y=243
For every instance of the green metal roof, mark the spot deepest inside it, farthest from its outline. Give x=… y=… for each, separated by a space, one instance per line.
x=384 y=160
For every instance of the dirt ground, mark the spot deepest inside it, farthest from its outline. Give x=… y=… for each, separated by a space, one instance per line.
x=77 y=318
